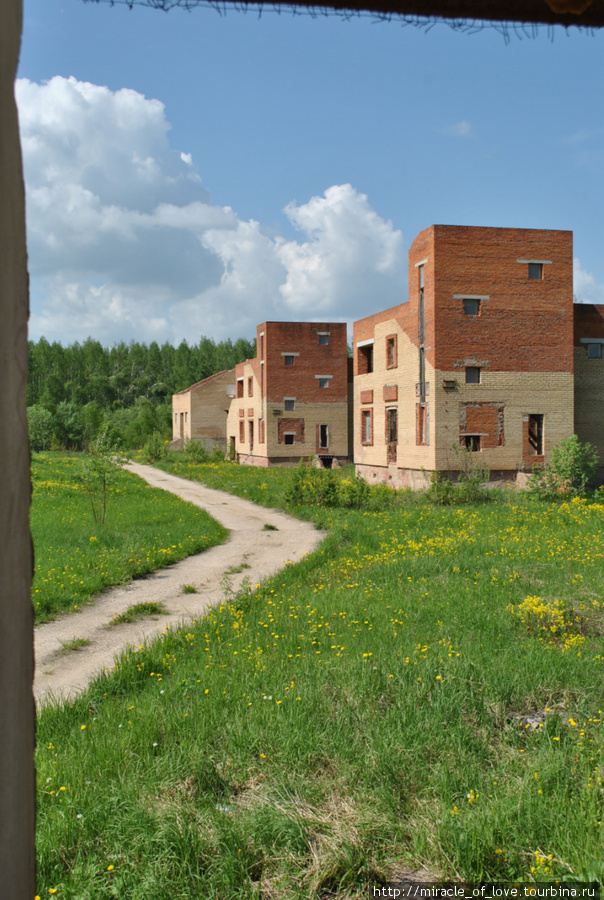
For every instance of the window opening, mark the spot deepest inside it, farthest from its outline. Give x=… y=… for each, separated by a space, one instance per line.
x=392 y=426
x=421 y=330
x=289 y=438
x=594 y=351
x=240 y=387
x=472 y=442
x=242 y=432
x=251 y=431
x=472 y=375
x=535 y=271
x=289 y=405
x=391 y=353
x=365 y=359
x=289 y=359
x=323 y=437
x=535 y=435
x=471 y=307
x=323 y=382
x=250 y=387
x=323 y=339
x=366 y=435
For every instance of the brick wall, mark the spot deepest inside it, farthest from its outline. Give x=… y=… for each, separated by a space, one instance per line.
x=589 y=377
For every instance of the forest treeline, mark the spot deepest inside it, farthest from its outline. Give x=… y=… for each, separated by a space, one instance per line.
x=75 y=392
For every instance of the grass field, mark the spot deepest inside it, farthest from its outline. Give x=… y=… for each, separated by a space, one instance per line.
x=426 y=688
x=145 y=529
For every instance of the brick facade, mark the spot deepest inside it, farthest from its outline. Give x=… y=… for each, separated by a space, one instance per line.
x=481 y=355
x=299 y=395
x=589 y=377
x=199 y=412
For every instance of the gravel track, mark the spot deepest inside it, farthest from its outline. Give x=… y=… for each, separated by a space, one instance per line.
x=61 y=674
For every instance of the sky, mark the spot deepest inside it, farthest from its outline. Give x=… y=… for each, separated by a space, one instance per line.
x=196 y=173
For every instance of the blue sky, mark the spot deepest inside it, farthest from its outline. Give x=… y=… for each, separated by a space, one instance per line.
x=289 y=162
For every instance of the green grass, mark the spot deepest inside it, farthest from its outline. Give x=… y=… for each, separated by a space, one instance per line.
x=189 y=589
x=138 y=611
x=146 y=529
x=361 y=712
x=74 y=644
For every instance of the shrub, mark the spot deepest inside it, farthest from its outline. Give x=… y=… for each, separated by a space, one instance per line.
x=40 y=423
x=196 y=452
x=154 y=448
x=570 y=470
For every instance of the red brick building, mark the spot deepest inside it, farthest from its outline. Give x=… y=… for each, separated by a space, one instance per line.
x=291 y=401
x=480 y=357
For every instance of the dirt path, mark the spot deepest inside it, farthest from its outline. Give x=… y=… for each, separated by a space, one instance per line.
x=62 y=673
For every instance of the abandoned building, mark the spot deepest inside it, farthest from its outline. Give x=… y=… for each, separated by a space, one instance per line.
x=292 y=401
x=199 y=412
x=480 y=357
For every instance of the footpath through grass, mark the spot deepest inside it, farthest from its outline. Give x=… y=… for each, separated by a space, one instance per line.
x=426 y=688
x=145 y=529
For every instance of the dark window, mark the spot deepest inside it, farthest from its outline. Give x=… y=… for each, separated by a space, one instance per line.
x=323 y=382
x=289 y=405
x=472 y=375
x=472 y=442
x=365 y=359
x=240 y=387
x=535 y=435
x=323 y=437
x=471 y=307
x=594 y=351
x=535 y=271
x=242 y=432
x=392 y=426
x=323 y=338
x=289 y=438
x=289 y=359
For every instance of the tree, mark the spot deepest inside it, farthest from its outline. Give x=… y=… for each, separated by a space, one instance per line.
x=40 y=423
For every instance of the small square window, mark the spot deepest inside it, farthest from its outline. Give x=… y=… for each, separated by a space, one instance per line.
x=323 y=382
x=289 y=359
x=472 y=442
x=471 y=307
x=472 y=375
x=535 y=272
x=289 y=438
x=594 y=351
x=290 y=405
x=323 y=339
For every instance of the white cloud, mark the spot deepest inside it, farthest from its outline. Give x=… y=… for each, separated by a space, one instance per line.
x=585 y=286
x=461 y=129
x=124 y=242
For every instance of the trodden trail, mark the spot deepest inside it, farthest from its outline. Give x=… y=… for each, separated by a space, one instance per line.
x=61 y=673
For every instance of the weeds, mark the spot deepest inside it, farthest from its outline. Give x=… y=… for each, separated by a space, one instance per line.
x=189 y=589
x=139 y=611
x=73 y=645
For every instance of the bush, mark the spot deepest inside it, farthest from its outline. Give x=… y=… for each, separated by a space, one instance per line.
x=154 y=448
x=40 y=423
x=310 y=486
x=196 y=452
x=570 y=470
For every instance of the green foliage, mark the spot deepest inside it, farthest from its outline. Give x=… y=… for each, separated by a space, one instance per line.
x=312 y=486
x=470 y=485
x=40 y=423
x=154 y=448
x=98 y=474
x=139 y=611
x=196 y=452
x=571 y=468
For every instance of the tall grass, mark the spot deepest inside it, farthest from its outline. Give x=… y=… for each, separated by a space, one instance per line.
x=379 y=705
x=75 y=557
